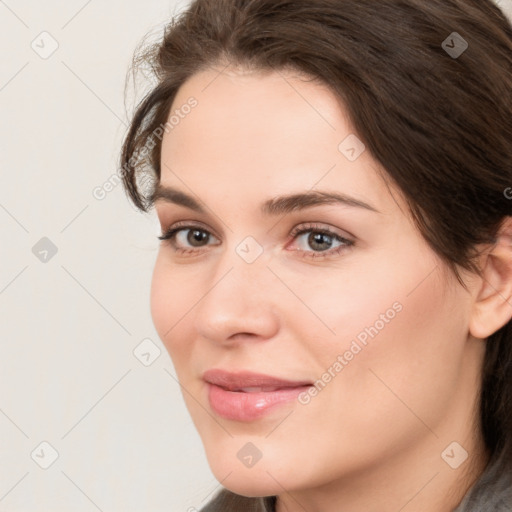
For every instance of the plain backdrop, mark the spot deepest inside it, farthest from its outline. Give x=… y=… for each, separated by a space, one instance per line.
x=91 y=416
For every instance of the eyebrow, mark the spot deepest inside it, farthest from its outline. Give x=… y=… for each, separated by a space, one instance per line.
x=274 y=206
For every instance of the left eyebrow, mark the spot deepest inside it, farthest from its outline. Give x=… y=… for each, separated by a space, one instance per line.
x=285 y=204
x=274 y=206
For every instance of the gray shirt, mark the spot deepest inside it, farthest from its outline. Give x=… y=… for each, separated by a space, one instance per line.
x=492 y=492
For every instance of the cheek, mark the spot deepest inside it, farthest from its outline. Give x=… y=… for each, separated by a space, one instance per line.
x=161 y=300
x=393 y=359
x=394 y=324
x=387 y=302
x=170 y=300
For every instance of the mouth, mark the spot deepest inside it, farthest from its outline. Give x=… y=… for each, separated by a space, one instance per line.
x=259 y=389
x=248 y=396
x=249 y=381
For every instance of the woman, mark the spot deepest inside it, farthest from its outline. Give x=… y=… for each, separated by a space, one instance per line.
x=333 y=182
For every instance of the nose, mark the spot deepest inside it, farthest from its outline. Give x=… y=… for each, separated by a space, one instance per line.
x=239 y=302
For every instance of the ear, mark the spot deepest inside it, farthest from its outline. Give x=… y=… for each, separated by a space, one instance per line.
x=492 y=307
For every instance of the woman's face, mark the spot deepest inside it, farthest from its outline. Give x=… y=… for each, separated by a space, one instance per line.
x=367 y=310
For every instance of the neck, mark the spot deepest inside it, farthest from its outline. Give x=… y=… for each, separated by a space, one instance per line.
x=420 y=480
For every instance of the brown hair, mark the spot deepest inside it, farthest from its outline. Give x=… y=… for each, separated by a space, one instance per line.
x=439 y=123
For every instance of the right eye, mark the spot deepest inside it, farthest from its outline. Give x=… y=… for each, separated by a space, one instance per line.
x=179 y=236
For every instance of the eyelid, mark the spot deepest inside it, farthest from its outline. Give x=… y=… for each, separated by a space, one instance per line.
x=320 y=225
x=169 y=236
x=188 y=224
x=324 y=227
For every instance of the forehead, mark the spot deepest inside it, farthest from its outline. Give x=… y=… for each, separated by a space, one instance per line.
x=265 y=133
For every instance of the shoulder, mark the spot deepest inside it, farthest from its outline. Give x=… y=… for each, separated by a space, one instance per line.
x=226 y=501
x=492 y=492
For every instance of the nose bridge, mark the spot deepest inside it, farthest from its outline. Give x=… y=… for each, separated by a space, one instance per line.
x=237 y=300
x=242 y=265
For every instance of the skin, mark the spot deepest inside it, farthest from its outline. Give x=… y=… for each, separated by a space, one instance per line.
x=372 y=439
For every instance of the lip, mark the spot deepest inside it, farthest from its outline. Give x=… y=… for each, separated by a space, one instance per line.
x=228 y=399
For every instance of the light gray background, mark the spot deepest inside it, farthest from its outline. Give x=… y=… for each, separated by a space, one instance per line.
x=70 y=323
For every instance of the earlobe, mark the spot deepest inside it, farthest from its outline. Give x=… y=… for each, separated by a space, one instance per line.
x=492 y=308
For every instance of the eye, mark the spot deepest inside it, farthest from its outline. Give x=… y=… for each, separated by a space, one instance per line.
x=189 y=239
x=183 y=234
x=320 y=239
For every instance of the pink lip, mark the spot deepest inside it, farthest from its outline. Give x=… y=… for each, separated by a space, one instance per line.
x=229 y=401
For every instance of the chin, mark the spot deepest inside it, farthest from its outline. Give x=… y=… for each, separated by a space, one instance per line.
x=252 y=486
x=257 y=481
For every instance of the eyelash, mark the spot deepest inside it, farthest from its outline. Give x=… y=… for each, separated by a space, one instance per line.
x=170 y=235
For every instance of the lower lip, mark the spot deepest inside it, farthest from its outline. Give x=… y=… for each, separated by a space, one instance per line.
x=240 y=406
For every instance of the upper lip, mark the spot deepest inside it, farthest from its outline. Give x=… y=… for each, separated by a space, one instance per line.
x=235 y=381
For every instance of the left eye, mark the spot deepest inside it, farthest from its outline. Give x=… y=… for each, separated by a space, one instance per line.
x=318 y=239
